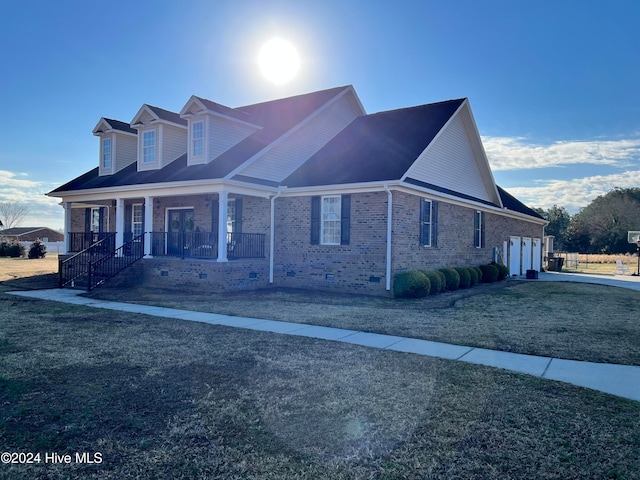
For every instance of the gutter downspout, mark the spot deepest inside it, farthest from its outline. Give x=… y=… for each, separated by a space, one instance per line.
x=389 y=224
x=272 y=234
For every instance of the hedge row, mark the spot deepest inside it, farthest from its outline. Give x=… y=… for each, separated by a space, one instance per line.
x=420 y=283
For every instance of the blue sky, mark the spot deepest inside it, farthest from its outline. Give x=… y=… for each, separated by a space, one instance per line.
x=554 y=85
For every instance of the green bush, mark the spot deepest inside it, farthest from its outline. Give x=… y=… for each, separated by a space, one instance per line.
x=411 y=284
x=489 y=273
x=452 y=278
x=473 y=275
x=436 y=279
x=479 y=272
x=443 y=280
x=503 y=271
x=37 y=250
x=465 y=277
x=13 y=249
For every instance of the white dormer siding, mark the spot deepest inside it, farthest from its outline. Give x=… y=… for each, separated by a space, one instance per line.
x=220 y=129
x=116 y=149
x=292 y=151
x=160 y=141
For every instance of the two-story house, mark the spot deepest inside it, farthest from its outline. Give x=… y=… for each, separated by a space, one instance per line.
x=307 y=191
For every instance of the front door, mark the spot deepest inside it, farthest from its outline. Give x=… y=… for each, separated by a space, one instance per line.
x=180 y=231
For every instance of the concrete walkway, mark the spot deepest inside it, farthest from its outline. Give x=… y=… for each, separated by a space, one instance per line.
x=620 y=380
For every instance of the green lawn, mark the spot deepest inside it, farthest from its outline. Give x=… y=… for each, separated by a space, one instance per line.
x=161 y=398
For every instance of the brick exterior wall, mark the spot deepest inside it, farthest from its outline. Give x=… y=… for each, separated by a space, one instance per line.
x=346 y=268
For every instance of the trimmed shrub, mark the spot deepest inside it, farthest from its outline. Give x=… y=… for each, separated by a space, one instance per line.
x=443 y=280
x=452 y=278
x=465 y=277
x=479 y=272
x=37 y=250
x=489 y=273
x=473 y=275
x=503 y=271
x=411 y=284
x=436 y=279
x=12 y=249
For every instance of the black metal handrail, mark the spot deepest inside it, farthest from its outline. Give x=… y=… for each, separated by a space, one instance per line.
x=245 y=245
x=76 y=266
x=109 y=265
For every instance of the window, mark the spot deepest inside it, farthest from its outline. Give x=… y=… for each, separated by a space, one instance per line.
x=331 y=220
x=478 y=229
x=95 y=219
x=428 y=223
x=330 y=225
x=197 y=139
x=149 y=146
x=106 y=153
x=137 y=219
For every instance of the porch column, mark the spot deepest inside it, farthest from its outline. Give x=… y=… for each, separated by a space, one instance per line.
x=119 y=222
x=148 y=224
x=222 y=226
x=67 y=227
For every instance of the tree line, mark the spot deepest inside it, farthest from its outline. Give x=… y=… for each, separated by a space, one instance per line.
x=600 y=227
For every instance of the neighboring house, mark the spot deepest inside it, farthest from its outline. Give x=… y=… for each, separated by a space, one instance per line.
x=31 y=234
x=307 y=191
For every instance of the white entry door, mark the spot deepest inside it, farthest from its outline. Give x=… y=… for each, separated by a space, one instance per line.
x=526 y=254
x=537 y=254
x=514 y=256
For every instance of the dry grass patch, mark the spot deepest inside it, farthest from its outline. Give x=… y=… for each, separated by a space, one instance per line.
x=163 y=398
x=565 y=320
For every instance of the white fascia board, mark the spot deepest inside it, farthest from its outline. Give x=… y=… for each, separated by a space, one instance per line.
x=415 y=189
x=287 y=134
x=364 y=187
x=99 y=126
x=187 y=106
x=166 y=190
x=144 y=108
x=478 y=144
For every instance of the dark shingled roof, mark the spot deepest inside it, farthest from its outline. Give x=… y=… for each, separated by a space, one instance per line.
x=168 y=115
x=122 y=126
x=224 y=110
x=375 y=147
x=276 y=117
x=512 y=203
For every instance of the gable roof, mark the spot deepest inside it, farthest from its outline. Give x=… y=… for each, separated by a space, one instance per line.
x=122 y=126
x=375 y=147
x=276 y=117
x=209 y=106
x=512 y=203
x=22 y=231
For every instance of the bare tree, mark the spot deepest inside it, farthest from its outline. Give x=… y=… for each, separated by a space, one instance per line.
x=12 y=214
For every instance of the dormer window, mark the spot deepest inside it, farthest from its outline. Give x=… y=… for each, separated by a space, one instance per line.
x=106 y=153
x=197 y=139
x=149 y=146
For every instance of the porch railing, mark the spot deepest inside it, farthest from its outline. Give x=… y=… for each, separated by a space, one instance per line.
x=79 y=241
x=205 y=245
x=76 y=266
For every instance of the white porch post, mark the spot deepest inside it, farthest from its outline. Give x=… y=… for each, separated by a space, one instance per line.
x=119 y=222
x=222 y=226
x=148 y=224
x=67 y=227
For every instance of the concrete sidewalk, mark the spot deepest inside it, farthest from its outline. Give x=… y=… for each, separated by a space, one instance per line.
x=620 y=380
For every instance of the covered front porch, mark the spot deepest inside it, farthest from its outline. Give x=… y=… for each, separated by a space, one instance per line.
x=182 y=226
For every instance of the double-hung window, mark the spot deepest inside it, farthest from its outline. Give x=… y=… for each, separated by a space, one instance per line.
x=137 y=218
x=197 y=139
x=149 y=146
x=330 y=224
x=106 y=153
x=428 y=223
x=478 y=229
x=331 y=220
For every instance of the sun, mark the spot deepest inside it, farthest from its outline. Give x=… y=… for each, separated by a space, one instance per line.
x=279 y=61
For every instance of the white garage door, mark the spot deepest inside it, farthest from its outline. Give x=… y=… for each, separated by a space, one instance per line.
x=514 y=256
x=537 y=254
x=526 y=254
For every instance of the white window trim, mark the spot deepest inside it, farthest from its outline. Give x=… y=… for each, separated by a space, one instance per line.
x=322 y=219
x=133 y=216
x=102 y=153
x=479 y=215
x=193 y=139
x=427 y=242
x=143 y=147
